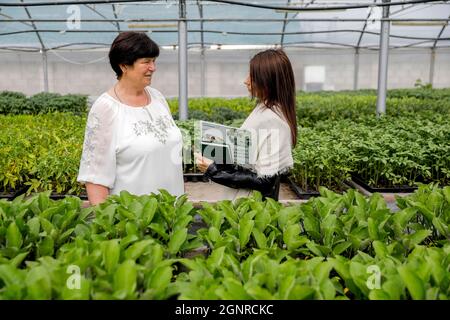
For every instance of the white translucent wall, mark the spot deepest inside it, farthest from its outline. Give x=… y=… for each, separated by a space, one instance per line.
x=225 y=70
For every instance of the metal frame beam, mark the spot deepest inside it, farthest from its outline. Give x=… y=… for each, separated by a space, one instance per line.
x=440 y=34
x=43 y=51
x=356 y=68
x=115 y=16
x=227 y=32
x=284 y=25
x=229 y=2
x=105 y=19
x=433 y=54
x=236 y=20
x=303 y=44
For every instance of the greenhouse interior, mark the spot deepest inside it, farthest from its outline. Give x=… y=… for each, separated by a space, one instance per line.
x=361 y=210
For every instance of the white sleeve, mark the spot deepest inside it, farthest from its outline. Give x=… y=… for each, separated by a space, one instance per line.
x=98 y=160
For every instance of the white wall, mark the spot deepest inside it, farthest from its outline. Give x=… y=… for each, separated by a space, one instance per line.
x=90 y=73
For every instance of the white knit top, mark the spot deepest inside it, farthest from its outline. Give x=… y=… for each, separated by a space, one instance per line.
x=272 y=152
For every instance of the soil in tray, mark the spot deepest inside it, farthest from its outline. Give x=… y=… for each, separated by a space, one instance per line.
x=393 y=189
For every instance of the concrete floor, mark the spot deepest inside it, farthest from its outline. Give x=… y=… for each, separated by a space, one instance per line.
x=212 y=192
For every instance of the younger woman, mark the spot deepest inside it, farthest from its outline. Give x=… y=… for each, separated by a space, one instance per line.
x=271 y=82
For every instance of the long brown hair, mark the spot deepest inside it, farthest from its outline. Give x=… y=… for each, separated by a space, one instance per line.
x=272 y=83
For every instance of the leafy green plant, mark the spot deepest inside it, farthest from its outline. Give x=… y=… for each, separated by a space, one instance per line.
x=162 y=217
x=44 y=102
x=259 y=277
x=37 y=227
x=336 y=246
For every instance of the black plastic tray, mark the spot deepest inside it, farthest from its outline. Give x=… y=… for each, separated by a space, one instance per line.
x=299 y=192
x=401 y=189
x=195 y=177
x=55 y=196
x=13 y=195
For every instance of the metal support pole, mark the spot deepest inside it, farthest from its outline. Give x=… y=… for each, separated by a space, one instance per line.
x=202 y=73
x=383 y=62
x=356 y=70
x=182 y=62
x=432 y=62
x=202 y=54
x=45 y=69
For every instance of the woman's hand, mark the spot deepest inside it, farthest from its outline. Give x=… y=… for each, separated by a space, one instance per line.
x=96 y=193
x=202 y=162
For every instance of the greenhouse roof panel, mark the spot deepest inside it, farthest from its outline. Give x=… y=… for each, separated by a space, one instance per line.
x=95 y=23
x=215 y=10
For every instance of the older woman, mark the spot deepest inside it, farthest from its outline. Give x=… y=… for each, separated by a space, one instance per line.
x=274 y=122
x=131 y=141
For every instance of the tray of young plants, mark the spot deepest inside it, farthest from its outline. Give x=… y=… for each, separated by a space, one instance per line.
x=339 y=136
x=395 y=189
x=299 y=192
x=387 y=154
x=393 y=156
x=43 y=153
x=336 y=246
x=320 y=160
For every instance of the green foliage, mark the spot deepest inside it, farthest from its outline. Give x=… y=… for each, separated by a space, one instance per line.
x=421 y=91
x=339 y=135
x=14 y=104
x=41 y=152
x=384 y=152
x=331 y=247
x=122 y=249
x=220 y=110
x=132 y=247
x=419 y=84
x=12 y=94
x=18 y=103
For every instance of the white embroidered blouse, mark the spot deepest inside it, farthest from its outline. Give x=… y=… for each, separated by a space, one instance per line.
x=137 y=149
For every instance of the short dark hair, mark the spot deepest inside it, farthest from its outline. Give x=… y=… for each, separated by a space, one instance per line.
x=129 y=46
